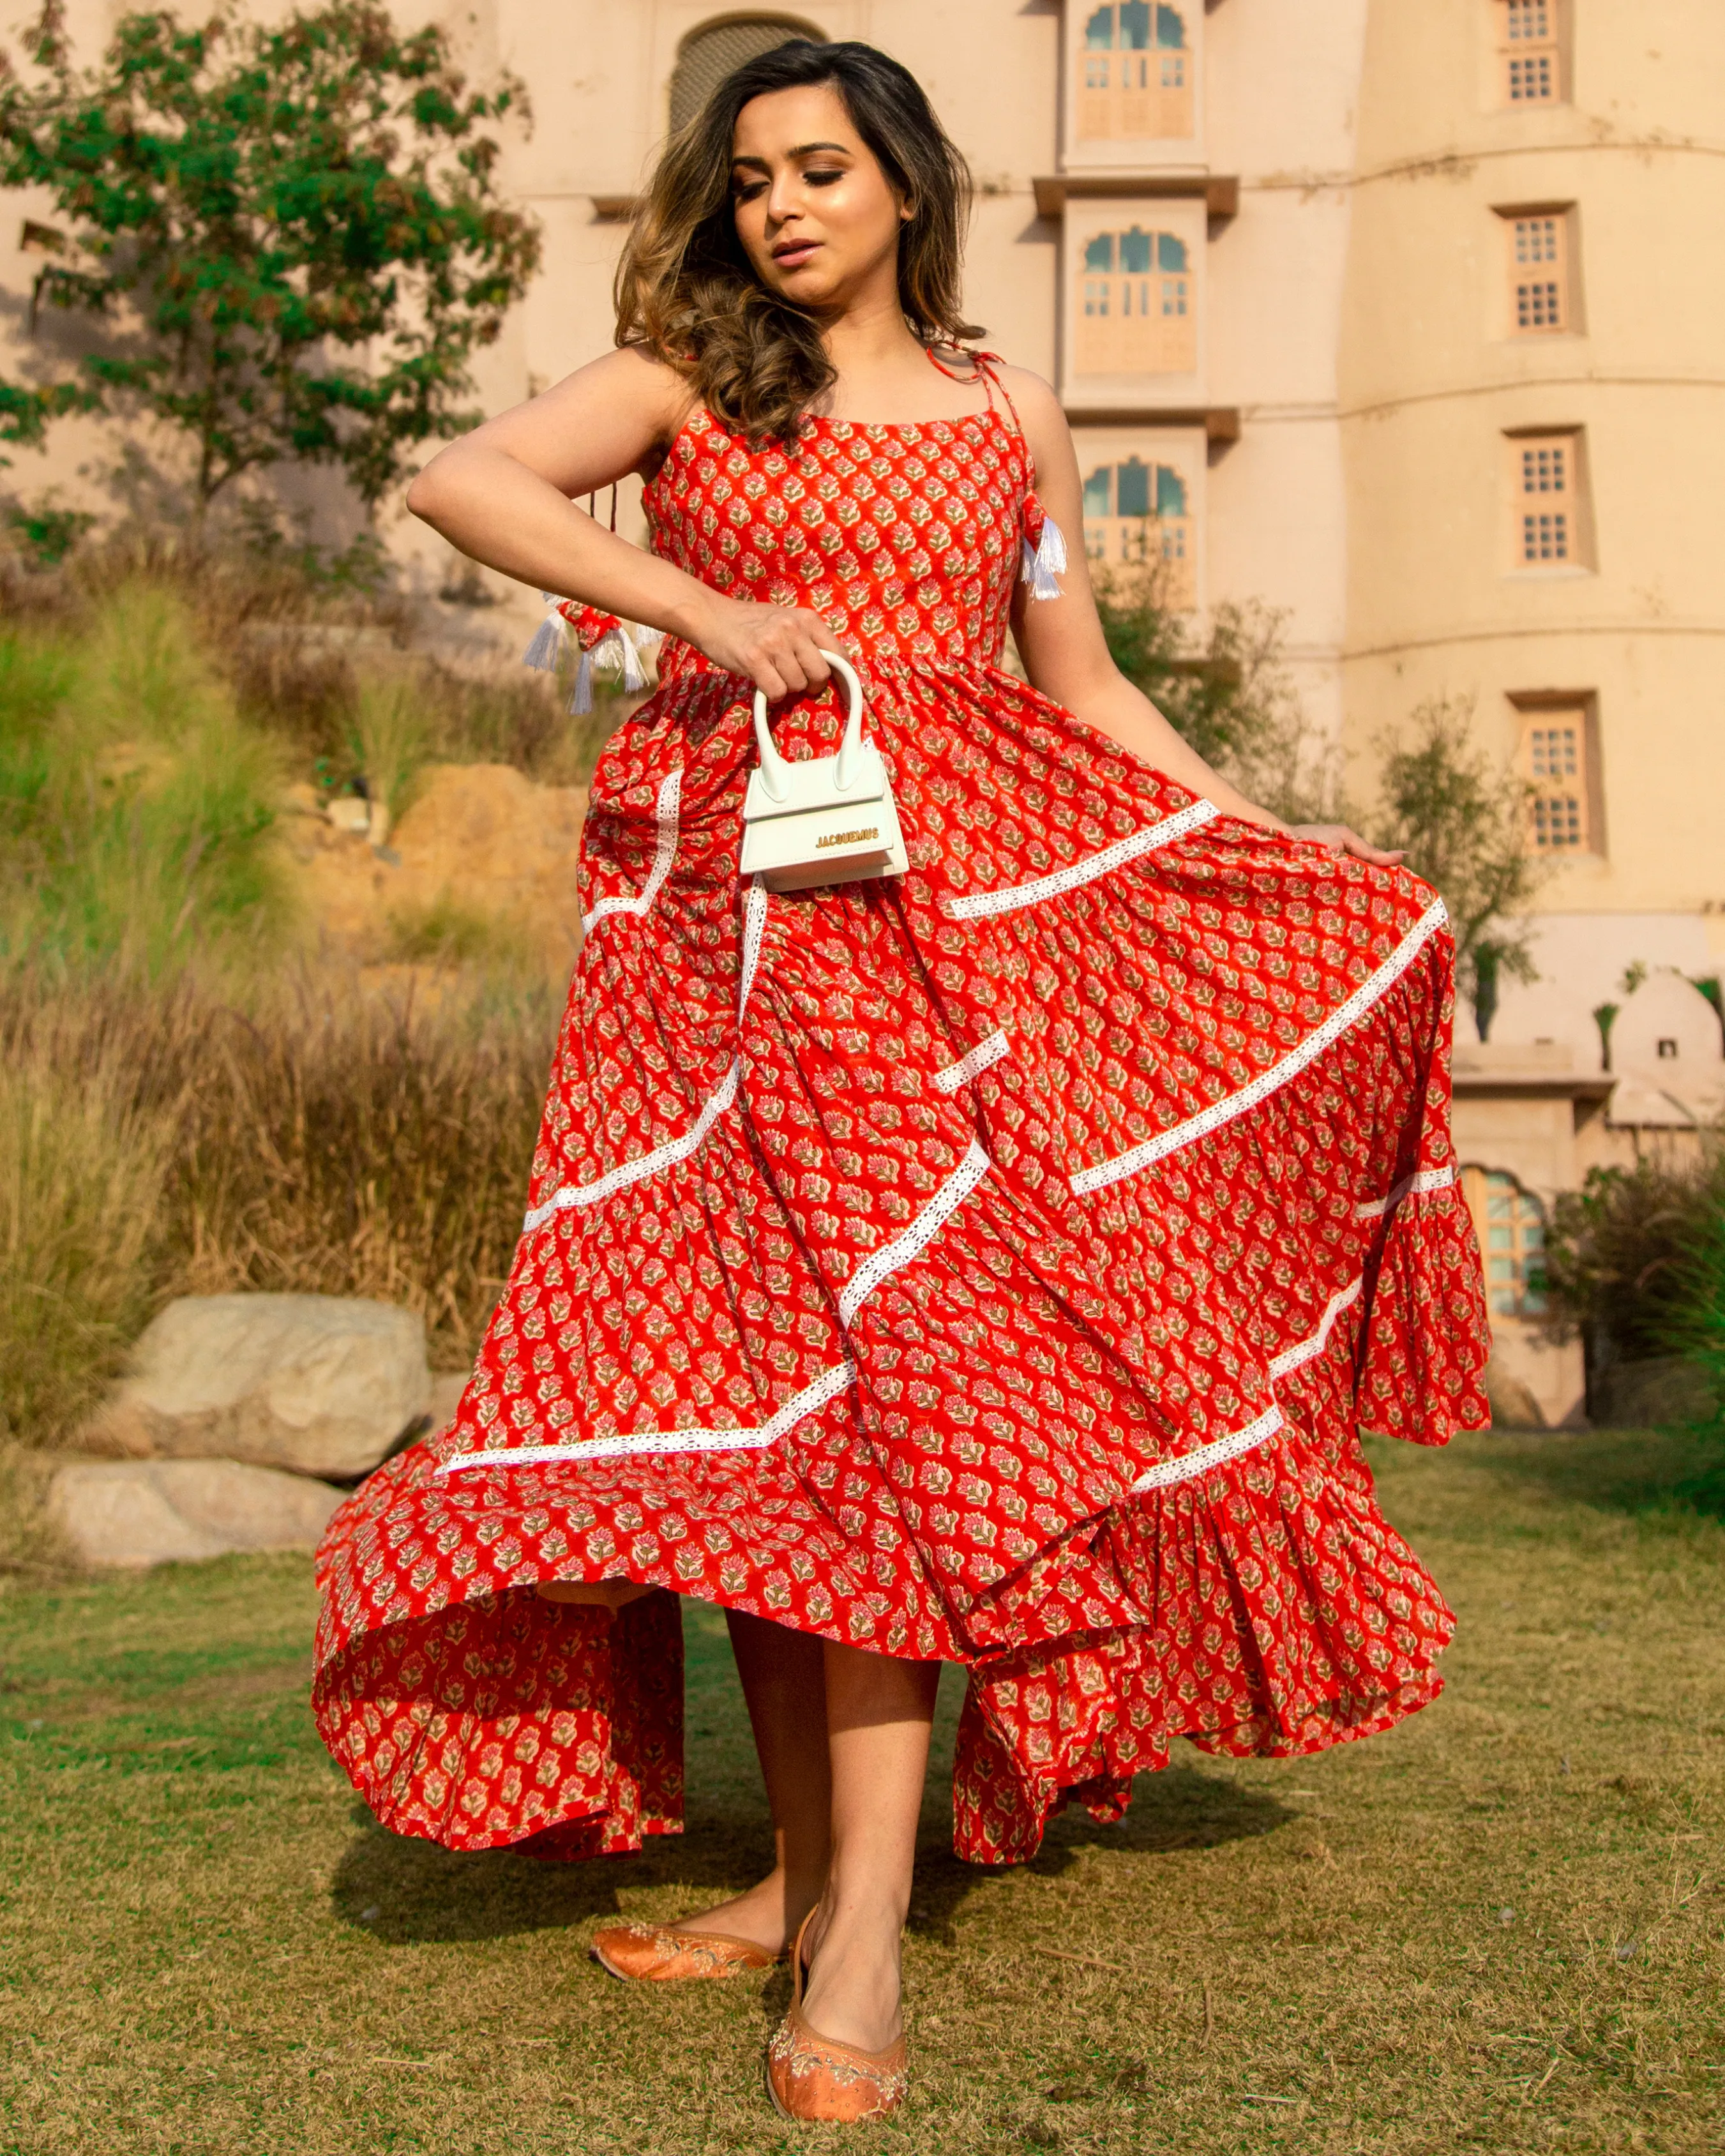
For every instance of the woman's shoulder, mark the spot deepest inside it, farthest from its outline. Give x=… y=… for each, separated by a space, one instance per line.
x=1029 y=390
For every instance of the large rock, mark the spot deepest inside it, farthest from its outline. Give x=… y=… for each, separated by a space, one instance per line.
x=155 y=1511
x=1511 y=1400
x=320 y=1384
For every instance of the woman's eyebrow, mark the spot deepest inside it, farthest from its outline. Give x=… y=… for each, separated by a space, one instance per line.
x=802 y=149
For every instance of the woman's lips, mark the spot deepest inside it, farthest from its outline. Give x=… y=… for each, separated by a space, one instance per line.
x=793 y=258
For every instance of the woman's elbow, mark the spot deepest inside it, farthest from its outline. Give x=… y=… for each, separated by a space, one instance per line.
x=425 y=492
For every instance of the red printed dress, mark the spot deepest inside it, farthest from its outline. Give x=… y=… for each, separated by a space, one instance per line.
x=992 y=1263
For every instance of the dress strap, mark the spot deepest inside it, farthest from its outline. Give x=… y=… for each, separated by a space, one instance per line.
x=1043 y=547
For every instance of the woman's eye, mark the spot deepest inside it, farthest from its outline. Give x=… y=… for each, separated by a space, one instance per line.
x=823 y=179
x=747 y=191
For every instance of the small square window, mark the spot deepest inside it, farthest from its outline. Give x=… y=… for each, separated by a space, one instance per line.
x=1555 y=762
x=1547 y=526
x=1530 y=52
x=1540 y=302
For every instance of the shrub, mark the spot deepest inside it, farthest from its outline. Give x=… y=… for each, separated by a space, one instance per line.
x=1462 y=823
x=1619 y=1250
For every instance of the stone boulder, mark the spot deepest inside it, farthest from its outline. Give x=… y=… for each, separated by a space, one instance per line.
x=319 y=1384
x=137 y=1512
x=1511 y=1400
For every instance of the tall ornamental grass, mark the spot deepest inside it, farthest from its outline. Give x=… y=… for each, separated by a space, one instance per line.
x=160 y=1142
x=137 y=808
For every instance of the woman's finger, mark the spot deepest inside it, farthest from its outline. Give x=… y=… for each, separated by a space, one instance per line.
x=768 y=679
x=793 y=672
x=813 y=664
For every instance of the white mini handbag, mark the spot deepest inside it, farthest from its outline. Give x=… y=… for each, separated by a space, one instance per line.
x=828 y=819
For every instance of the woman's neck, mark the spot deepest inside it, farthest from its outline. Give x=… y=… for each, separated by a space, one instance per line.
x=883 y=373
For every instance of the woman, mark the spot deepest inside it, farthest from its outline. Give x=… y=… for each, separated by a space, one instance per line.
x=985 y=1263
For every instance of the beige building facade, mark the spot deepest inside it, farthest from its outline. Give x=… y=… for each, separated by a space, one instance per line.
x=1397 y=316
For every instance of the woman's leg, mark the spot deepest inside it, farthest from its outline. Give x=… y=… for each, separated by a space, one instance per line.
x=880 y=1711
x=783 y=1681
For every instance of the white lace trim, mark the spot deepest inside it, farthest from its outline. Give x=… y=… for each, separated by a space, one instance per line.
x=1427 y=1179
x=754 y=927
x=668 y=811
x=1248 y=1097
x=1303 y=1350
x=805 y=1403
x=1016 y=894
x=933 y=1217
x=1207 y=1456
x=980 y=1058
x=648 y=1163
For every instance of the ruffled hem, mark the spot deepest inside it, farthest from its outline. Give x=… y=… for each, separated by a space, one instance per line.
x=1264 y=1609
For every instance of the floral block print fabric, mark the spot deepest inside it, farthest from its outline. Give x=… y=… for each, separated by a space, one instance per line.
x=994 y=1262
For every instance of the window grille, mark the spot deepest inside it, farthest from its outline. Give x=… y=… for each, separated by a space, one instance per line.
x=1137 y=79
x=1554 y=760
x=1136 y=516
x=708 y=55
x=1138 y=305
x=1539 y=273
x=1510 y=1223
x=1529 y=52
x=1544 y=467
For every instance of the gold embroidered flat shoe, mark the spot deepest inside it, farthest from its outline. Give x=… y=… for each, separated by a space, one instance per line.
x=654 y=1953
x=812 y=2076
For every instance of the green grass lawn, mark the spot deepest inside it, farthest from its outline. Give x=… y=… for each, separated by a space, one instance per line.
x=1498 y=1928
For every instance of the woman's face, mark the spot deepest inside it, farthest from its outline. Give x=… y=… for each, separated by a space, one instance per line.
x=815 y=213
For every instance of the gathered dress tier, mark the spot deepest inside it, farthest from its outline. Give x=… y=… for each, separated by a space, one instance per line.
x=994 y=1263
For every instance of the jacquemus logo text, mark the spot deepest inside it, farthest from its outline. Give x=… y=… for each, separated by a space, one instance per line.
x=848 y=838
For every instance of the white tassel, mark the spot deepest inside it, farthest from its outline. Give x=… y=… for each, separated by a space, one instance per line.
x=581 y=696
x=647 y=639
x=1040 y=567
x=543 y=654
x=632 y=675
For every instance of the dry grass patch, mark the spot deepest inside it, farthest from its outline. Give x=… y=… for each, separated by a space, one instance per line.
x=1497 y=1929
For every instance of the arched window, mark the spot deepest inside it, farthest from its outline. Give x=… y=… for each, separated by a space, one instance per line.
x=1138 y=73
x=1136 y=514
x=1510 y=1223
x=1138 y=309
x=708 y=56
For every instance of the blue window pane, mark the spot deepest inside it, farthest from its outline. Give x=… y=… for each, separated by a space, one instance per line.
x=1134 y=251
x=1099 y=31
x=1135 y=25
x=1096 y=492
x=1170 y=253
x=1170 y=30
x=1132 y=481
x=1100 y=254
x=1170 y=492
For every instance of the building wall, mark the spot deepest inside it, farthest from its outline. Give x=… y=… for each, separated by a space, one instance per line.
x=1435 y=388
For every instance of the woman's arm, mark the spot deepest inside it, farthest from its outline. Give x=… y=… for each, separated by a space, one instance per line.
x=502 y=495
x=1067 y=654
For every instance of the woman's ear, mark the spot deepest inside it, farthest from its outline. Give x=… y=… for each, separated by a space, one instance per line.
x=906 y=211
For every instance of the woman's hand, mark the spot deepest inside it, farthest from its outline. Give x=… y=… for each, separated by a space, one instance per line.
x=777 y=648
x=1337 y=839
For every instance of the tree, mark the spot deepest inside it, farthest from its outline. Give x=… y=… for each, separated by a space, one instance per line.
x=292 y=229
x=1231 y=700
x=1463 y=824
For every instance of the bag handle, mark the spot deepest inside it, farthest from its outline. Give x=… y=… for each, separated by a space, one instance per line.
x=775 y=771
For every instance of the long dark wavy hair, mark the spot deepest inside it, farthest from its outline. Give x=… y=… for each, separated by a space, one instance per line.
x=686 y=291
